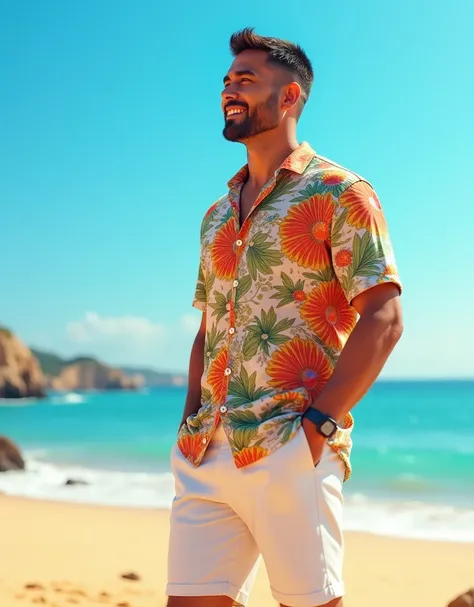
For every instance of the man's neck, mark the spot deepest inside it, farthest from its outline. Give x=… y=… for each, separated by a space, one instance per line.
x=265 y=154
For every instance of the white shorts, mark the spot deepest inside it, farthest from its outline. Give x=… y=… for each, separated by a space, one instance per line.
x=281 y=507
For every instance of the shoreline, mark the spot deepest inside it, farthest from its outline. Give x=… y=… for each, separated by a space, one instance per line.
x=398 y=518
x=76 y=553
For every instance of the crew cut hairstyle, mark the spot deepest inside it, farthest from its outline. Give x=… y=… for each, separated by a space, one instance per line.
x=280 y=52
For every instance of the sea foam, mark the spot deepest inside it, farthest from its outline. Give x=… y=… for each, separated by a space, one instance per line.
x=409 y=519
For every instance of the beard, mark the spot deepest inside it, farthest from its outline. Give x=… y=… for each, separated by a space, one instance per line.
x=263 y=117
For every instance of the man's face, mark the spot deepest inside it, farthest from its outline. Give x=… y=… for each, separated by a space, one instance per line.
x=251 y=96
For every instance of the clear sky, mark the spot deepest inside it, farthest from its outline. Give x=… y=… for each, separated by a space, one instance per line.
x=111 y=150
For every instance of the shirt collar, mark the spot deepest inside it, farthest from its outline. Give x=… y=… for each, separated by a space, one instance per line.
x=297 y=162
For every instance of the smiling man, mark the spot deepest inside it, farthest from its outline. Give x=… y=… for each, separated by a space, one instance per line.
x=300 y=297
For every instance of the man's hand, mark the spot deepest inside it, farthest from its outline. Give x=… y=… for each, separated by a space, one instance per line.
x=315 y=440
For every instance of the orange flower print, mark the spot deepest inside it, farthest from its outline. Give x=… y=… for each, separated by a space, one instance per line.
x=363 y=208
x=249 y=455
x=217 y=378
x=389 y=270
x=328 y=314
x=333 y=177
x=190 y=444
x=299 y=295
x=299 y=159
x=299 y=362
x=222 y=253
x=211 y=209
x=296 y=398
x=343 y=258
x=291 y=395
x=305 y=232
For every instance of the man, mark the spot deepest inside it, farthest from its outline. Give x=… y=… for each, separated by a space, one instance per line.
x=300 y=298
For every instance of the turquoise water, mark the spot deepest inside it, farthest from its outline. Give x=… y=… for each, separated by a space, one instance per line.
x=413 y=444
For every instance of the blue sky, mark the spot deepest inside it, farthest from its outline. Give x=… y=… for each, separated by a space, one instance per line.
x=111 y=151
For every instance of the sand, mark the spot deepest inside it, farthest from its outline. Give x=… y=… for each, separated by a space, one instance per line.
x=75 y=555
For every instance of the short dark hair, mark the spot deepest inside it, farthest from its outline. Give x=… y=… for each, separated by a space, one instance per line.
x=281 y=52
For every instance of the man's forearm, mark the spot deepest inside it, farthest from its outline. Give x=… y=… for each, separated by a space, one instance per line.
x=360 y=362
x=196 y=369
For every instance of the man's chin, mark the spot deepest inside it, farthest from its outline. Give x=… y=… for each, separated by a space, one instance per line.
x=231 y=134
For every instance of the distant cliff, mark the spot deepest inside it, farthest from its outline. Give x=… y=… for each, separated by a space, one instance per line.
x=154 y=378
x=84 y=373
x=20 y=372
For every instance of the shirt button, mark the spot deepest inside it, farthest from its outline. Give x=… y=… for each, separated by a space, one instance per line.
x=239 y=243
x=204 y=440
x=228 y=371
x=231 y=331
x=223 y=409
x=236 y=283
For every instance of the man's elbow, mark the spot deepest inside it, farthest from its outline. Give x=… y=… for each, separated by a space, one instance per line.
x=394 y=322
x=389 y=319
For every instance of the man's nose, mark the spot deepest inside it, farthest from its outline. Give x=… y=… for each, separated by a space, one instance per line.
x=228 y=94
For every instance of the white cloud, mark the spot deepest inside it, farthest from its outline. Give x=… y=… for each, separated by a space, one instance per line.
x=132 y=340
x=190 y=323
x=96 y=328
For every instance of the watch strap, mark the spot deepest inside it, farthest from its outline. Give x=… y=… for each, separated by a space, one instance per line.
x=318 y=418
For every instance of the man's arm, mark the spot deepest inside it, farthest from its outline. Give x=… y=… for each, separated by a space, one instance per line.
x=196 y=369
x=367 y=349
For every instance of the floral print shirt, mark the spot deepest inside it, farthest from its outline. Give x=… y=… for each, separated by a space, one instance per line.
x=277 y=292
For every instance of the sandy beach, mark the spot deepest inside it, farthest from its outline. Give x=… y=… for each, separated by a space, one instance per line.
x=59 y=555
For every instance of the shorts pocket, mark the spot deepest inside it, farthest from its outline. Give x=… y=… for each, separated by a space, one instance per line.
x=306 y=447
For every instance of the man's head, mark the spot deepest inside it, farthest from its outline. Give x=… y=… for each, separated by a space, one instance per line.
x=269 y=80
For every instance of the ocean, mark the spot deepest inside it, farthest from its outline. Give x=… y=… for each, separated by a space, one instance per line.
x=413 y=454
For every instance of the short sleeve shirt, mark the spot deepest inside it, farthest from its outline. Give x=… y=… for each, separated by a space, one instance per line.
x=277 y=293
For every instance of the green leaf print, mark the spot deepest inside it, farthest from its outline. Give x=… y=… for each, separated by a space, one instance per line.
x=251 y=344
x=284 y=186
x=245 y=427
x=206 y=223
x=324 y=275
x=201 y=294
x=228 y=215
x=311 y=189
x=206 y=396
x=284 y=432
x=244 y=285
x=265 y=331
x=365 y=260
x=213 y=337
x=286 y=292
x=261 y=257
x=337 y=233
x=346 y=283
x=209 y=281
x=242 y=390
x=220 y=304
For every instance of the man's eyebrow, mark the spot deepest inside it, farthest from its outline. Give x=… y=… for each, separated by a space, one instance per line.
x=239 y=73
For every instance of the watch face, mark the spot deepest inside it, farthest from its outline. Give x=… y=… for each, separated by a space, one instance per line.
x=327 y=428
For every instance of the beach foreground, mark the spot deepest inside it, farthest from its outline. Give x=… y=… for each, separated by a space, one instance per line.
x=75 y=555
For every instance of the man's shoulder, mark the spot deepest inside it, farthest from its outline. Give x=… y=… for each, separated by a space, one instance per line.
x=219 y=202
x=212 y=214
x=332 y=176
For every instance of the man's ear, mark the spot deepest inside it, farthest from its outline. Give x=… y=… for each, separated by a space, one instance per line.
x=291 y=96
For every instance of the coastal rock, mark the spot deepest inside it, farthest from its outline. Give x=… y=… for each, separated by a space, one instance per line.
x=34 y=586
x=10 y=456
x=73 y=481
x=92 y=375
x=464 y=600
x=20 y=372
x=131 y=576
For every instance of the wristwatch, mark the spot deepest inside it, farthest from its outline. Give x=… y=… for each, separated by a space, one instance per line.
x=325 y=425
